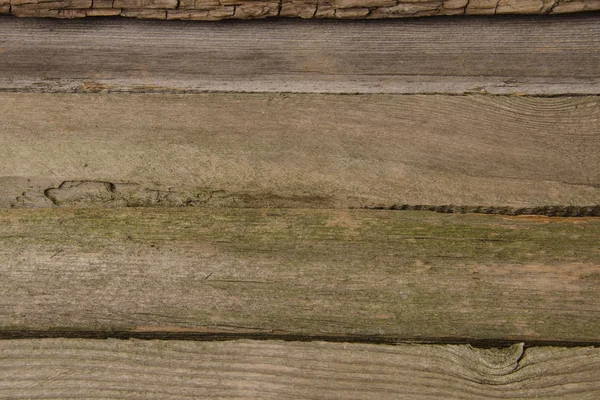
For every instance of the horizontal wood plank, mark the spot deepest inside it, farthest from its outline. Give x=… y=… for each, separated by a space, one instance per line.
x=45 y=369
x=299 y=150
x=547 y=56
x=354 y=274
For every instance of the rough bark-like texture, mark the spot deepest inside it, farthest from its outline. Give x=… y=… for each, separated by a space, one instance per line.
x=45 y=369
x=299 y=150
x=518 y=55
x=250 y=9
x=352 y=274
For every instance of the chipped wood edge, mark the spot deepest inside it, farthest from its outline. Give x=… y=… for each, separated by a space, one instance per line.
x=212 y=10
x=104 y=194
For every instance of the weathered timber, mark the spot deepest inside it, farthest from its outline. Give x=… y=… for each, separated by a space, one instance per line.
x=473 y=153
x=45 y=369
x=525 y=55
x=353 y=273
x=211 y=10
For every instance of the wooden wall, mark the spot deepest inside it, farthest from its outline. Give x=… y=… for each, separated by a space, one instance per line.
x=300 y=209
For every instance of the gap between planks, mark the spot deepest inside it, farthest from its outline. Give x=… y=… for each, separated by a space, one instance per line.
x=228 y=334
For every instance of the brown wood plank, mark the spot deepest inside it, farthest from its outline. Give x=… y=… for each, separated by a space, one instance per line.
x=547 y=56
x=284 y=150
x=45 y=369
x=303 y=273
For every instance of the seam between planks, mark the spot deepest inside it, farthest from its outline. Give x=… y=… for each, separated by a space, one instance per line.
x=191 y=92
x=287 y=337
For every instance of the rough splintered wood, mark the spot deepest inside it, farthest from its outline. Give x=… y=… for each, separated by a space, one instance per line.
x=210 y=10
x=134 y=369
x=354 y=274
x=470 y=55
x=284 y=150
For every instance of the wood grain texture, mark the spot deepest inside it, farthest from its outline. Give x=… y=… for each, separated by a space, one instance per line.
x=355 y=274
x=284 y=150
x=547 y=56
x=47 y=369
x=211 y=10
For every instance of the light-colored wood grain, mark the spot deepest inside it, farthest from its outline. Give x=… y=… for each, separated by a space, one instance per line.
x=49 y=369
x=302 y=150
x=458 y=55
x=352 y=273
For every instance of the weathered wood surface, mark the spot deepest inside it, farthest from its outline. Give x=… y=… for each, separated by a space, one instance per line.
x=285 y=150
x=210 y=10
x=461 y=55
x=302 y=273
x=45 y=369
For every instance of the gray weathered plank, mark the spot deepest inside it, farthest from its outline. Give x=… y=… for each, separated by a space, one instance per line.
x=302 y=150
x=349 y=273
x=461 y=55
x=47 y=369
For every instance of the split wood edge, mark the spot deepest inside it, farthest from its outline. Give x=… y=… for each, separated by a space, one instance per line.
x=210 y=10
x=104 y=194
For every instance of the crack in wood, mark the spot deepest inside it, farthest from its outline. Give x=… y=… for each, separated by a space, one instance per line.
x=548 y=211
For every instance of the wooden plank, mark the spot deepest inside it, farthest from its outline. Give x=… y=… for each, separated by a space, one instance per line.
x=349 y=273
x=132 y=369
x=285 y=150
x=210 y=10
x=456 y=55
